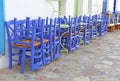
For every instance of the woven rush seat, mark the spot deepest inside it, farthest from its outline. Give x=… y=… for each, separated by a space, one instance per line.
x=67 y=34
x=111 y=27
x=83 y=30
x=36 y=43
x=93 y=26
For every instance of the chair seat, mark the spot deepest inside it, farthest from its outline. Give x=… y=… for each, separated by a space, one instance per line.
x=64 y=26
x=67 y=34
x=36 y=43
x=83 y=30
x=93 y=26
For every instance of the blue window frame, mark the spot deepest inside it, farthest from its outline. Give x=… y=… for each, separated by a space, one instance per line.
x=2 y=30
x=104 y=7
x=114 y=7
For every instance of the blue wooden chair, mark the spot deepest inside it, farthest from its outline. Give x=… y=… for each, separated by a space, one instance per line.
x=32 y=41
x=102 y=25
x=25 y=38
x=32 y=34
x=56 y=38
x=76 y=23
x=10 y=25
x=85 y=33
x=47 y=53
x=93 y=28
x=68 y=39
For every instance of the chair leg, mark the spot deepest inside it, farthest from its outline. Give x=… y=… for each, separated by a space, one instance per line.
x=23 y=61
x=51 y=54
x=10 y=62
x=10 y=59
x=31 y=65
x=54 y=51
x=19 y=63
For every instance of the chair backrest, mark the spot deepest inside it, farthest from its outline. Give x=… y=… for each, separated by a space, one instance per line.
x=10 y=31
x=94 y=20
x=54 y=32
x=84 y=18
x=25 y=32
x=74 y=25
x=70 y=23
x=64 y=20
x=104 y=19
x=19 y=30
x=48 y=29
x=39 y=30
x=78 y=21
x=56 y=27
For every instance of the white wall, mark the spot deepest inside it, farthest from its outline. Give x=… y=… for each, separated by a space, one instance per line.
x=82 y=7
x=70 y=7
x=85 y=7
x=4 y=60
x=27 y=8
x=110 y=5
x=118 y=5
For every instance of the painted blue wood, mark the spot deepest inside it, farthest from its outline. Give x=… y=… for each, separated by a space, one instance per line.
x=114 y=6
x=2 y=36
x=104 y=7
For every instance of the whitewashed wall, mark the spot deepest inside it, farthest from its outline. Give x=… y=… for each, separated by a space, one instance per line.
x=83 y=7
x=70 y=7
x=27 y=8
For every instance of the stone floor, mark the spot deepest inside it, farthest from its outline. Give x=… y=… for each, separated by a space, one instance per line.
x=97 y=61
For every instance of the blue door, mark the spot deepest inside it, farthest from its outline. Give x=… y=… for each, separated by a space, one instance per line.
x=2 y=29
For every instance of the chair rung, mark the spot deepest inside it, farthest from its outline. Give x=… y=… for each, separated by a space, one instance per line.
x=47 y=51
x=16 y=54
x=38 y=33
x=37 y=51
x=27 y=57
x=46 y=47
x=57 y=42
x=38 y=65
x=24 y=30
x=15 y=60
x=38 y=56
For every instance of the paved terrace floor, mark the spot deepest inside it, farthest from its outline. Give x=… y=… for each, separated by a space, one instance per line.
x=97 y=61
